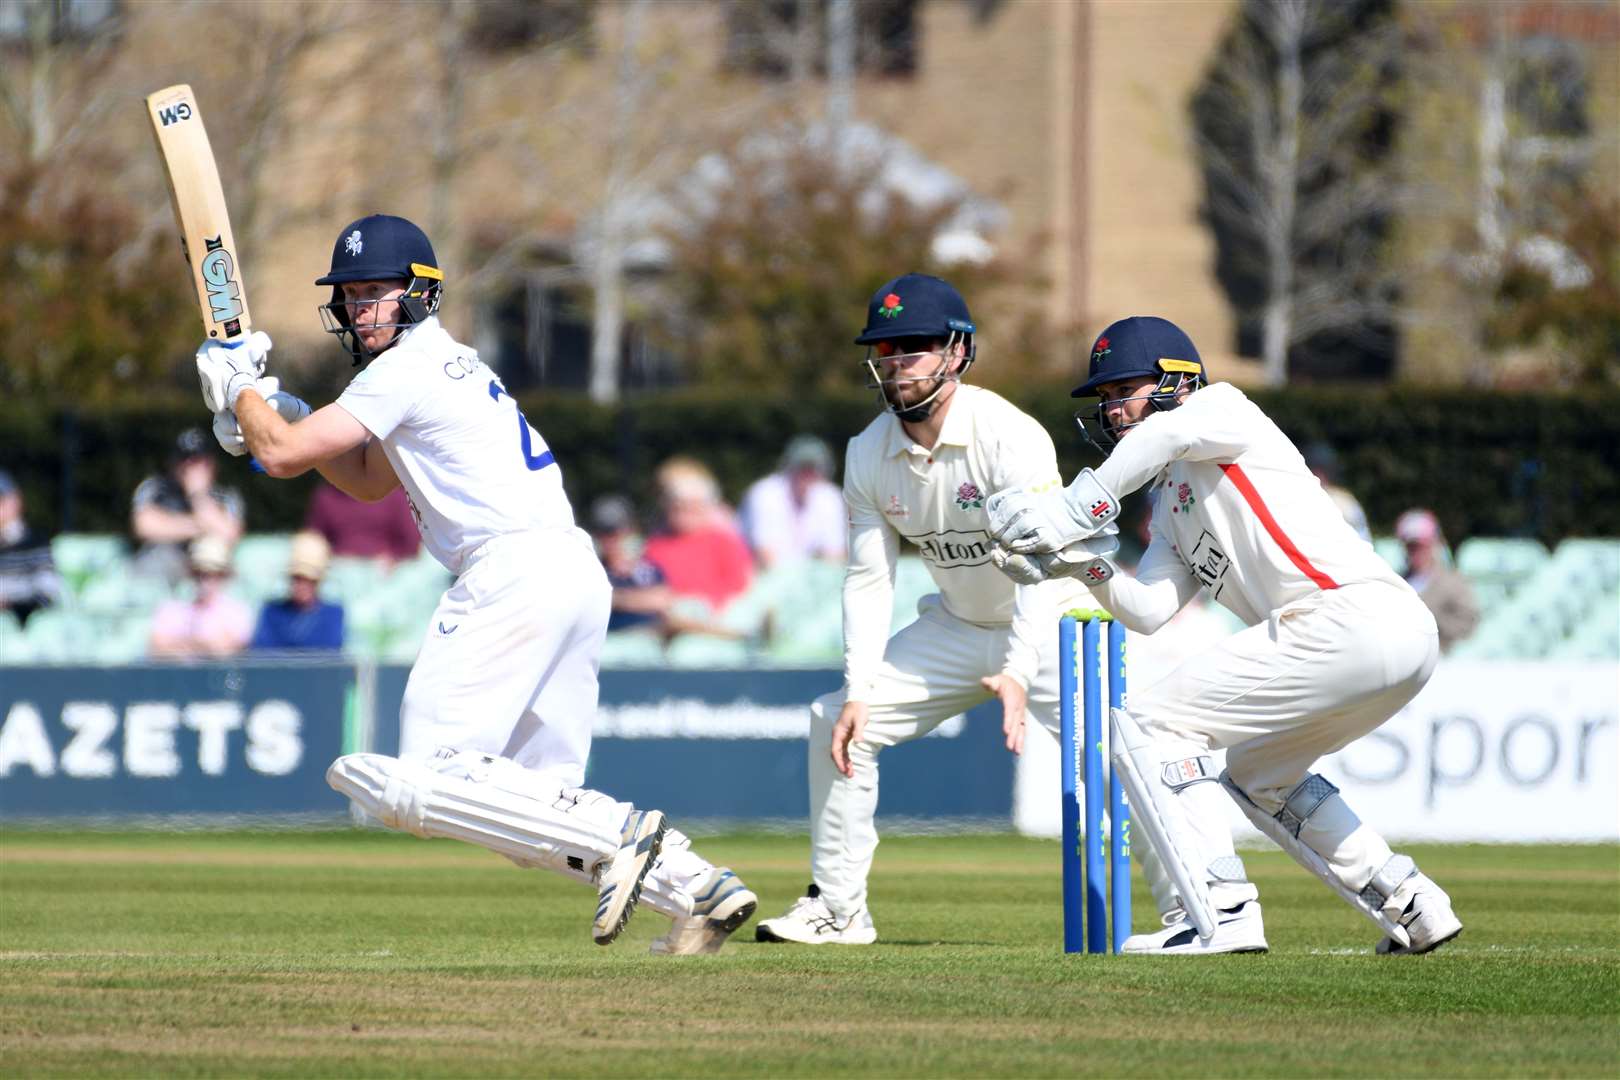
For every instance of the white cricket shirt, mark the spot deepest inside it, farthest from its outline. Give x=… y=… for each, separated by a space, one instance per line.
x=1236 y=511
x=470 y=463
x=934 y=498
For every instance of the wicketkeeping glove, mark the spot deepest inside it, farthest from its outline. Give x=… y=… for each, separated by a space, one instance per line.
x=1089 y=560
x=1026 y=523
x=225 y=371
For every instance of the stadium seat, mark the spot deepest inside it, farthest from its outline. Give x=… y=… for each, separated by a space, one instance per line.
x=1490 y=557
x=115 y=591
x=1598 y=638
x=58 y=635
x=14 y=646
x=1391 y=551
x=349 y=579
x=705 y=651
x=632 y=648
x=912 y=582
x=82 y=556
x=260 y=560
x=1593 y=563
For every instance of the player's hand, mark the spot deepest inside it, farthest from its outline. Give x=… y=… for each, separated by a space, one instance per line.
x=225 y=371
x=1014 y=701
x=851 y=728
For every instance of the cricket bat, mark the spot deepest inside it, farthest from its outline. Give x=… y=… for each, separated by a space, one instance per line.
x=199 y=209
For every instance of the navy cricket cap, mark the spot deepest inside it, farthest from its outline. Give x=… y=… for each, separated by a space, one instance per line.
x=381 y=247
x=915 y=305
x=1137 y=346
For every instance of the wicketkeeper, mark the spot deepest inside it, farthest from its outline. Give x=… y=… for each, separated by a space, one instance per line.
x=1335 y=643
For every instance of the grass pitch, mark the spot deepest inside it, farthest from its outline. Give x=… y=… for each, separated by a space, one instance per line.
x=369 y=954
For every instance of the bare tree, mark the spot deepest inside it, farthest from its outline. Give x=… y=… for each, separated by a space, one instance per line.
x=1506 y=91
x=1291 y=129
x=607 y=270
x=840 y=65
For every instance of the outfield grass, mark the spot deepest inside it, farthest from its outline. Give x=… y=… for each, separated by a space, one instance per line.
x=367 y=954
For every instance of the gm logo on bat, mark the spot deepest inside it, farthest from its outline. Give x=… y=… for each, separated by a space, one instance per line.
x=173 y=114
x=224 y=292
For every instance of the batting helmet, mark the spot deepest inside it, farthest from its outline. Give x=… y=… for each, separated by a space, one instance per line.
x=381 y=247
x=1142 y=346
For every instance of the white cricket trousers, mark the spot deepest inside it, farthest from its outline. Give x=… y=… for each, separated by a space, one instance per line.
x=1278 y=695
x=510 y=661
x=930 y=673
x=509 y=669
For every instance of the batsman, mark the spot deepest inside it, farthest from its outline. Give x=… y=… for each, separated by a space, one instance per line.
x=1335 y=643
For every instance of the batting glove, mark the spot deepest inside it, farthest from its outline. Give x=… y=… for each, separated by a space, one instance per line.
x=228 y=433
x=224 y=371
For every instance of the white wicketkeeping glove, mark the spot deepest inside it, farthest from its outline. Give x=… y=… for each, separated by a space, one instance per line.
x=1089 y=560
x=228 y=433
x=1027 y=523
x=226 y=370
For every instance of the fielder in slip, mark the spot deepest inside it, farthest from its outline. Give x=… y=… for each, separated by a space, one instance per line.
x=498 y=709
x=921 y=471
x=1336 y=643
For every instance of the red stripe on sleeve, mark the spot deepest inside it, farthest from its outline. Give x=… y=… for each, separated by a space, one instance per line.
x=1245 y=486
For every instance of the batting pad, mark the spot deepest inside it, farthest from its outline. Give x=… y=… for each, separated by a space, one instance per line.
x=528 y=829
x=1158 y=815
x=1315 y=806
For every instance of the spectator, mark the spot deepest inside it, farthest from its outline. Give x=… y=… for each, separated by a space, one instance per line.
x=1323 y=461
x=175 y=507
x=640 y=597
x=28 y=579
x=700 y=552
x=797 y=513
x=213 y=623
x=302 y=620
x=1446 y=592
x=385 y=529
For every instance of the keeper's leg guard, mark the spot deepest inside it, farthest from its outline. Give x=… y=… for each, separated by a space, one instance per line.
x=1319 y=830
x=1153 y=784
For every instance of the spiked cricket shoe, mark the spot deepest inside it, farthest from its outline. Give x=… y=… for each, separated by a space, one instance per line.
x=1238 y=930
x=811 y=922
x=720 y=904
x=619 y=878
x=1425 y=912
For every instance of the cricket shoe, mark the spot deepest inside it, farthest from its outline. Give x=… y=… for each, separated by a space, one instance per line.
x=1237 y=930
x=720 y=904
x=618 y=882
x=1425 y=913
x=811 y=922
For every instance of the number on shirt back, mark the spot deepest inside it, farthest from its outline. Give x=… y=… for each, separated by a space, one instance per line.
x=534 y=461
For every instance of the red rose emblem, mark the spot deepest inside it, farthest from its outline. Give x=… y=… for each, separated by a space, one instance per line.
x=1102 y=344
x=891 y=300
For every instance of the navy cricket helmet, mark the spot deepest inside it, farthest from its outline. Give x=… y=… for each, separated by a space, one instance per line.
x=915 y=306
x=1142 y=346
x=913 y=312
x=381 y=247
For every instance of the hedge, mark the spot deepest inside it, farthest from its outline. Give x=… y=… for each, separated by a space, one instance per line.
x=1489 y=464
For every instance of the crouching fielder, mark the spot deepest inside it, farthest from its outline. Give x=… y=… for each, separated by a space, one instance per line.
x=498 y=709
x=1335 y=643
